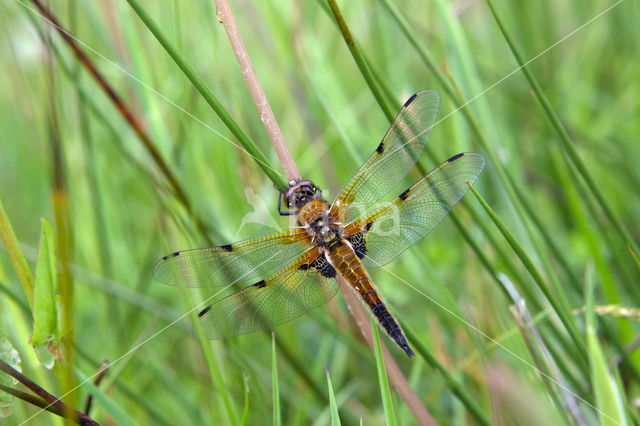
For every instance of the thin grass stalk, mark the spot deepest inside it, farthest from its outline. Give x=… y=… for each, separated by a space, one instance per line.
x=614 y=338
x=213 y=364
x=355 y=308
x=360 y=61
x=333 y=406
x=563 y=136
x=396 y=376
x=225 y=16
x=383 y=382
x=452 y=383
x=16 y=256
x=124 y=110
x=543 y=369
x=454 y=92
x=120 y=385
x=251 y=148
x=535 y=274
x=63 y=241
x=46 y=397
x=275 y=388
x=378 y=92
x=33 y=400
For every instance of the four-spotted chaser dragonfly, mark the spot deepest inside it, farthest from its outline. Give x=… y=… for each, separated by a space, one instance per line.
x=289 y=272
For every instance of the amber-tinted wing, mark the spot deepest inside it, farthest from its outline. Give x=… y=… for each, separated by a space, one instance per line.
x=302 y=286
x=383 y=235
x=241 y=263
x=394 y=157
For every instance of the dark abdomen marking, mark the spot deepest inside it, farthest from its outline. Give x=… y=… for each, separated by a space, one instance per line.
x=388 y=322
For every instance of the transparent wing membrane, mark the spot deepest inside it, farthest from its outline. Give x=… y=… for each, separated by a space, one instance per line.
x=241 y=263
x=266 y=304
x=394 y=157
x=408 y=218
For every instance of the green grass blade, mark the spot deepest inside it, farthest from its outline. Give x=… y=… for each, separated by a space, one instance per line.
x=109 y=405
x=275 y=389
x=453 y=384
x=45 y=312
x=563 y=136
x=335 y=417
x=16 y=256
x=207 y=94
x=560 y=310
x=383 y=381
x=214 y=369
x=370 y=79
x=609 y=396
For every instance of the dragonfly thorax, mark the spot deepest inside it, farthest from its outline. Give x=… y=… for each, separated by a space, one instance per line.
x=325 y=231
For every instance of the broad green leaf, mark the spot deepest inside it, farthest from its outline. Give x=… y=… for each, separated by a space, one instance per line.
x=9 y=355
x=44 y=309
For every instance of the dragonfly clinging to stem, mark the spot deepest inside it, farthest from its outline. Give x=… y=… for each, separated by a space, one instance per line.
x=288 y=272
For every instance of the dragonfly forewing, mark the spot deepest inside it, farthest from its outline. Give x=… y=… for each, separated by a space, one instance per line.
x=241 y=263
x=387 y=232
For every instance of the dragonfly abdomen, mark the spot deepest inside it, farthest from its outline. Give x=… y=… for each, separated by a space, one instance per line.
x=390 y=325
x=345 y=260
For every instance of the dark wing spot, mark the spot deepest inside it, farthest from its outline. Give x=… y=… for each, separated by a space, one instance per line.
x=380 y=148
x=404 y=195
x=455 y=157
x=174 y=254
x=358 y=244
x=368 y=226
x=304 y=266
x=322 y=265
x=227 y=247
x=260 y=284
x=406 y=104
x=204 y=311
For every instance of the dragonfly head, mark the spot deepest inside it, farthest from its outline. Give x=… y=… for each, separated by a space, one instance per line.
x=300 y=192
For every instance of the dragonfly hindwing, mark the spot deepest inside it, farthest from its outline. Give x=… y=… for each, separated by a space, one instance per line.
x=322 y=265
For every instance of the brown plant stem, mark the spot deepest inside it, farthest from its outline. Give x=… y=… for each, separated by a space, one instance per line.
x=31 y=399
x=47 y=402
x=124 y=110
x=96 y=381
x=226 y=18
x=396 y=376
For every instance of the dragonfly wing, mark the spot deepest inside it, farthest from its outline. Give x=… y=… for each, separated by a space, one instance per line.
x=302 y=286
x=241 y=263
x=394 y=157
x=383 y=235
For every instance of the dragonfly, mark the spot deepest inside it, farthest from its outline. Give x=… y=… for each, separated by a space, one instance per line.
x=289 y=272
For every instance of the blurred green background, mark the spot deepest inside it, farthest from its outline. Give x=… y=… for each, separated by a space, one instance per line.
x=117 y=214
